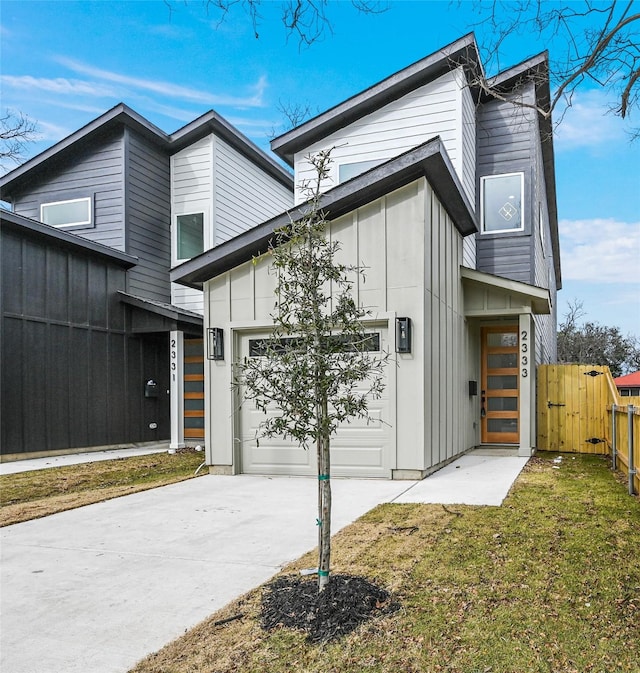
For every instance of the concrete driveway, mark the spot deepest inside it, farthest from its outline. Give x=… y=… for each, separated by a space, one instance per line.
x=95 y=589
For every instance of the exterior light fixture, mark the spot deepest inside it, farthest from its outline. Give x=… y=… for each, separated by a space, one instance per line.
x=403 y=335
x=215 y=343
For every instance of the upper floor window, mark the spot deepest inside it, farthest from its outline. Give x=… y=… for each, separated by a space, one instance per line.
x=71 y=213
x=348 y=171
x=501 y=202
x=189 y=235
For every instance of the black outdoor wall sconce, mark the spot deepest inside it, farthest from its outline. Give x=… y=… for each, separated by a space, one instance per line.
x=403 y=335
x=215 y=343
x=473 y=388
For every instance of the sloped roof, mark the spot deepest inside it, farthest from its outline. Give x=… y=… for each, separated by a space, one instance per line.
x=463 y=52
x=537 y=297
x=628 y=380
x=428 y=160
x=123 y=115
x=65 y=238
x=161 y=308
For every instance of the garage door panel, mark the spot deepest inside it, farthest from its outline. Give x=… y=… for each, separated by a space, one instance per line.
x=279 y=459
x=360 y=448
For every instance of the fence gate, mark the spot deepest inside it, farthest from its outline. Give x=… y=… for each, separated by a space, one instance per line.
x=572 y=405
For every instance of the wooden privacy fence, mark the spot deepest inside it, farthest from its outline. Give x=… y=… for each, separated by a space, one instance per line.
x=576 y=414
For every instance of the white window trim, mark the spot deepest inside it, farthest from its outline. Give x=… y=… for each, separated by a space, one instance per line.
x=83 y=223
x=174 y=234
x=522 y=201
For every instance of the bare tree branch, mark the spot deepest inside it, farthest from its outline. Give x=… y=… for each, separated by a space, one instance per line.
x=602 y=44
x=16 y=130
x=308 y=20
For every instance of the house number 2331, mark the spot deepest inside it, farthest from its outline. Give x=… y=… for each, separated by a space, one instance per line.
x=524 y=353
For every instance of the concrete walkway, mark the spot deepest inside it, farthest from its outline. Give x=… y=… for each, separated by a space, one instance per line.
x=95 y=589
x=29 y=464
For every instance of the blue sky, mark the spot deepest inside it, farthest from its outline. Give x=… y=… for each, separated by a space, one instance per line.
x=65 y=62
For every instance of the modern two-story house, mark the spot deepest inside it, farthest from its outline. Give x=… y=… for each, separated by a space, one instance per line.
x=447 y=196
x=98 y=342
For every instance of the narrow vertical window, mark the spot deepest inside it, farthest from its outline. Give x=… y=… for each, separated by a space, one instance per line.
x=190 y=235
x=501 y=202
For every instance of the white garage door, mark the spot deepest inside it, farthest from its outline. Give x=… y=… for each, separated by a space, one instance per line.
x=359 y=448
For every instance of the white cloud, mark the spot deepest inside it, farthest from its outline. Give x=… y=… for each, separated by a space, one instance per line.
x=600 y=250
x=254 y=99
x=587 y=122
x=51 y=132
x=58 y=85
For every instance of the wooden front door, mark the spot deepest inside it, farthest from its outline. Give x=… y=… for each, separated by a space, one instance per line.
x=193 y=389
x=500 y=411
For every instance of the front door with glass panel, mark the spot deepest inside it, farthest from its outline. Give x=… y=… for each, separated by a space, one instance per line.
x=500 y=412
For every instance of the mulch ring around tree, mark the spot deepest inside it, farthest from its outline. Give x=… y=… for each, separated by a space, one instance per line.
x=345 y=603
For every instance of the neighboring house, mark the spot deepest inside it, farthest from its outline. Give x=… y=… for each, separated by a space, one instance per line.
x=448 y=198
x=77 y=356
x=122 y=183
x=628 y=385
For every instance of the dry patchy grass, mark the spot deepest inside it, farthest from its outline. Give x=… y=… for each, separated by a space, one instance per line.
x=550 y=582
x=38 y=493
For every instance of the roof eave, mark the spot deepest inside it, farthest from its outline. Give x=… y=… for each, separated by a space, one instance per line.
x=539 y=297
x=535 y=69
x=212 y=122
x=463 y=52
x=65 y=238
x=428 y=160
x=170 y=311
x=120 y=113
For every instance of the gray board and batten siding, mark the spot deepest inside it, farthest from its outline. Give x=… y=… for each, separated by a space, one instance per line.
x=72 y=372
x=127 y=178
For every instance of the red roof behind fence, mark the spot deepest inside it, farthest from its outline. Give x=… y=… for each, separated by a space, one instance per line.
x=628 y=380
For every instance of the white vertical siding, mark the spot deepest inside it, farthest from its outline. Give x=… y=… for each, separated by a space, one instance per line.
x=467 y=131
x=187 y=298
x=192 y=183
x=244 y=194
x=234 y=194
x=434 y=109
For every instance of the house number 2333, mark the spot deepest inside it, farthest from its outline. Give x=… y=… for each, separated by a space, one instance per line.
x=524 y=353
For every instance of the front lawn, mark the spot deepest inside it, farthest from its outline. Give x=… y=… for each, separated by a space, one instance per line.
x=38 y=493
x=549 y=582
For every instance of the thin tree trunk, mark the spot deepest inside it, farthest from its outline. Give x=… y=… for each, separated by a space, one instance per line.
x=324 y=503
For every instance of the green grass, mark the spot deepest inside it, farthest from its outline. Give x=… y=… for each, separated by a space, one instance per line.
x=28 y=495
x=549 y=582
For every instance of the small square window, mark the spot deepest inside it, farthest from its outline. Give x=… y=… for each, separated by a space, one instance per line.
x=71 y=213
x=501 y=202
x=190 y=235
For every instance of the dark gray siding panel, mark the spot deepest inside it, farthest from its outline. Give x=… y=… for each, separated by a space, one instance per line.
x=70 y=373
x=506 y=256
x=97 y=172
x=148 y=218
x=505 y=142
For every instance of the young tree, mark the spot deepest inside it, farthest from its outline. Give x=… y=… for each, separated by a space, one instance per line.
x=317 y=359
